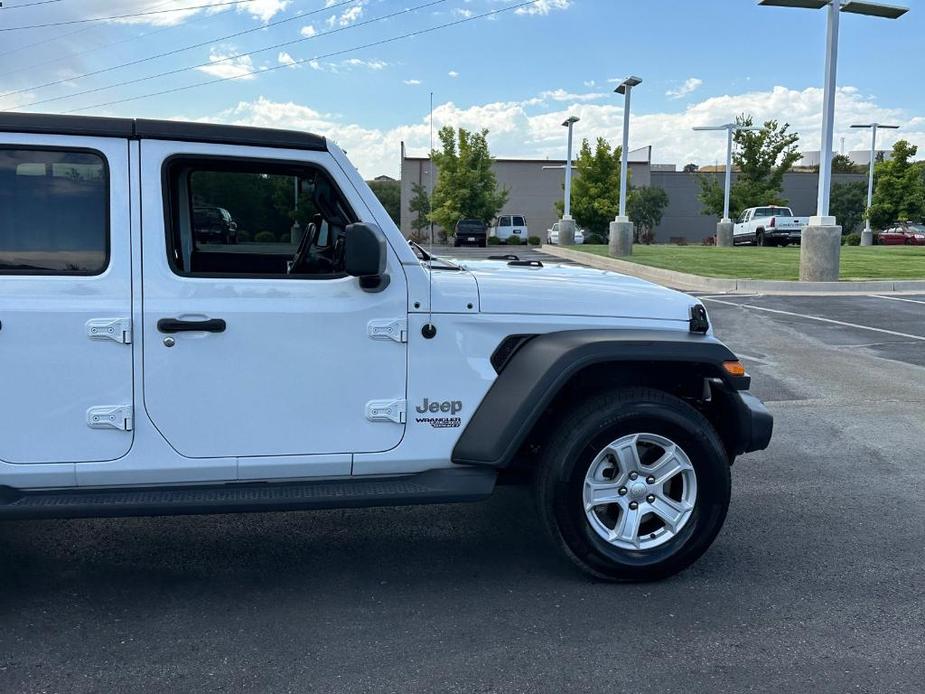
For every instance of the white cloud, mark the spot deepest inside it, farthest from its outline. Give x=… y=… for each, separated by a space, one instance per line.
x=308 y=31
x=453 y=74
x=371 y=64
x=412 y=82
x=462 y=12
x=691 y=84
x=263 y=10
x=544 y=7
x=562 y=95
x=223 y=66
x=532 y=127
x=348 y=16
x=285 y=59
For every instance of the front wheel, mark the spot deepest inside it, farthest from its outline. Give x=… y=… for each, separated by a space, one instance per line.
x=634 y=486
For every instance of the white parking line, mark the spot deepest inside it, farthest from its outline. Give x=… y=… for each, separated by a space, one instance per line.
x=898 y=298
x=820 y=319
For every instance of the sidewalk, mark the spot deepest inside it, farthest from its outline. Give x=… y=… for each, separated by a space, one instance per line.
x=722 y=285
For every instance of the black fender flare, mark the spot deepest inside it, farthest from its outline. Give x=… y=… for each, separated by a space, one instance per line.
x=541 y=367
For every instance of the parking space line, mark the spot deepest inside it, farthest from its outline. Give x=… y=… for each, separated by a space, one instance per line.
x=821 y=319
x=898 y=298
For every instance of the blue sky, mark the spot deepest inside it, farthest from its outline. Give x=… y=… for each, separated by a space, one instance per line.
x=518 y=73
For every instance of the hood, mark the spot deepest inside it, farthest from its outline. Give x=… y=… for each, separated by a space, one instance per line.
x=572 y=290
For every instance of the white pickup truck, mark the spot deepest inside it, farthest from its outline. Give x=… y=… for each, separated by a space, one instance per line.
x=145 y=372
x=768 y=226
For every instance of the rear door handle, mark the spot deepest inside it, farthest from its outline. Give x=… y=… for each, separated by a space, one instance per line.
x=175 y=325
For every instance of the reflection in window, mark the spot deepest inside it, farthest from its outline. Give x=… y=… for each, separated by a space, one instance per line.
x=53 y=212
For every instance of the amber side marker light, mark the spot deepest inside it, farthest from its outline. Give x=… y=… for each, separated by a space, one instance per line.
x=734 y=368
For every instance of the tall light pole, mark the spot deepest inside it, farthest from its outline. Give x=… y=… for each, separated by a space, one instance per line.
x=820 y=247
x=570 y=124
x=724 y=228
x=867 y=236
x=621 y=229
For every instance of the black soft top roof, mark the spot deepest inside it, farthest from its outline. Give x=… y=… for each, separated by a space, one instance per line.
x=140 y=128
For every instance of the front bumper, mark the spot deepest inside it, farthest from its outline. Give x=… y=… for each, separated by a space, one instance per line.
x=756 y=424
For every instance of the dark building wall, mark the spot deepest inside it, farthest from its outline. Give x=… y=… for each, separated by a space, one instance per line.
x=684 y=218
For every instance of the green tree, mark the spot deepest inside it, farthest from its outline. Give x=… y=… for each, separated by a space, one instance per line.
x=762 y=157
x=848 y=204
x=420 y=208
x=644 y=207
x=389 y=194
x=899 y=190
x=466 y=184
x=595 y=186
x=841 y=163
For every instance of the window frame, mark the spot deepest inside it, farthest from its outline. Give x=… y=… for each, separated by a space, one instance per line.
x=107 y=205
x=171 y=211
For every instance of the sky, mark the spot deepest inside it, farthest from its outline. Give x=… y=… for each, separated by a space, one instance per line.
x=361 y=72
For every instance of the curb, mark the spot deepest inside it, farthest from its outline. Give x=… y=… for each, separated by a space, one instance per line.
x=686 y=281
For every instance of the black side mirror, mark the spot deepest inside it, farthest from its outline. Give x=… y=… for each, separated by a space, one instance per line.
x=365 y=254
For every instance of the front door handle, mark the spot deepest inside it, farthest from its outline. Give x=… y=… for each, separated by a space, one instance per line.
x=175 y=325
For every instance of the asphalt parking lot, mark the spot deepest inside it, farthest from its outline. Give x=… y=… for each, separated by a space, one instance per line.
x=817 y=581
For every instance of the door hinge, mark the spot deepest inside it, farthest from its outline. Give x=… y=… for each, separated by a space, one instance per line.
x=118 y=329
x=388 y=329
x=386 y=411
x=111 y=417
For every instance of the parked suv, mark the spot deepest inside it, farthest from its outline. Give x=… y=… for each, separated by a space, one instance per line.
x=214 y=224
x=471 y=231
x=508 y=225
x=143 y=375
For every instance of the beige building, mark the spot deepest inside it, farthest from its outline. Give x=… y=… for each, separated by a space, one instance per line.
x=534 y=189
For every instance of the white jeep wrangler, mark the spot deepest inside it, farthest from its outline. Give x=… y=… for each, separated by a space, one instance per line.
x=321 y=361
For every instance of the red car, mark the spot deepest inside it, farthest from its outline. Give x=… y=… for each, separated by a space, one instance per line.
x=903 y=233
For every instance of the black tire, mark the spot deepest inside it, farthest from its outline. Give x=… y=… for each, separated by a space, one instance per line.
x=483 y=244
x=574 y=445
x=760 y=240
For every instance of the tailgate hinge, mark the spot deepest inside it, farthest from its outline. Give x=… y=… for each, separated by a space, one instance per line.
x=111 y=417
x=386 y=411
x=118 y=329
x=388 y=329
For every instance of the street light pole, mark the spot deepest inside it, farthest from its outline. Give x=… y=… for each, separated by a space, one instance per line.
x=567 y=212
x=724 y=227
x=621 y=229
x=820 y=246
x=867 y=236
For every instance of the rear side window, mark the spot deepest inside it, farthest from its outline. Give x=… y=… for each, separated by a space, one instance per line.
x=54 y=216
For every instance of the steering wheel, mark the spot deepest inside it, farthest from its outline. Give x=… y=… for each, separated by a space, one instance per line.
x=305 y=246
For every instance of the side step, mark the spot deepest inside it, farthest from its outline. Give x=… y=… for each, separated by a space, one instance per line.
x=430 y=487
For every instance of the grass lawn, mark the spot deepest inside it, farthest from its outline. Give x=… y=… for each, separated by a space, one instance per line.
x=750 y=262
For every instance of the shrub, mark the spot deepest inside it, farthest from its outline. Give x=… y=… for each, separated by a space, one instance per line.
x=513 y=241
x=534 y=240
x=853 y=240
x=595 y=239
x=494 y=241
x=243 y=235
x=265 y=237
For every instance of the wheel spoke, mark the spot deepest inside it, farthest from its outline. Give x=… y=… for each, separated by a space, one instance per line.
x=669 y=510
x=667 y=466
x=600 y=493
x=627 y=528
x=628 y=455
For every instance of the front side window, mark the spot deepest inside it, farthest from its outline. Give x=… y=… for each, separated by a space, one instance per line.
x=54 y=212
x=231 y=218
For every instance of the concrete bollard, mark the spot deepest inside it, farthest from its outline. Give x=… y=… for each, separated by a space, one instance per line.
x=820 y=250
x=621 y=237
x=724 y=234
x=867 y=237
x=567 y=232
